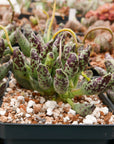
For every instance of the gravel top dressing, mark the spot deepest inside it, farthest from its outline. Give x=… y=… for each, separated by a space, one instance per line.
x=28 y=107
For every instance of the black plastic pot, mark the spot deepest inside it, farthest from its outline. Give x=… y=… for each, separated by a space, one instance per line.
x=56 y=134
x=60 y=19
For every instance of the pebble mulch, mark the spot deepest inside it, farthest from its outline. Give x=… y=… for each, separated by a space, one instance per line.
x=28 y=107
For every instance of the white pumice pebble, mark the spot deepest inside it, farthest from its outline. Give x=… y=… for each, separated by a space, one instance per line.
x=42 y=100
x=8 y=89
x=30 y=104
x=50 y=104
x=104 y=110
x=89 y=119
x=49 y=111
x=111 y=119
x=75 y=122
x=29 y=110
x=14 y=103
x=27 y=115
x=18 y=110
x=66 y=119
x=96 y=112
x=71 y=111
x=2 y=112
x=21 y=98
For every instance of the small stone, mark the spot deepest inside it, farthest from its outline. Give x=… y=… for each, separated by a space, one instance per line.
x=49 y=111
x=21 y=99
x=89 y=119
x=8 y=89
x=75 y=122
x=2 y=112
x=96 y=112
x=50 y=104
x=27 y=115
x=30 y=104
x=42 y=100
x=18 y=110
x=71 y=111
x=37 y=108
x=66 y=119
x=14 y=103
x=3 y=119
x=104 y=110
x=29 y=110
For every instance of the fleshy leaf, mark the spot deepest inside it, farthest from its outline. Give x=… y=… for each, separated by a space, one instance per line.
x=109 y=63
x=57 y=64
x=84 y=58
x=2 y=47
x=84 y=109
x=2 y=88
x=23 y=43
x=21 y=70
x=44 y=77
x=71 y=65
x=49 y=61
x=35 y=61
x=12 y=39
x=61 y=82
x=10 y=28
x=37 y=42
x=4 y=69
x=5 y=59
x=66 y=51
x=56 y=44
x=110 y=95
x=47 y=48
x=100 y=71
x=97 y=85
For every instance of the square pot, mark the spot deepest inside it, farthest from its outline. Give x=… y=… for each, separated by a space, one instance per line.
x=56 y=134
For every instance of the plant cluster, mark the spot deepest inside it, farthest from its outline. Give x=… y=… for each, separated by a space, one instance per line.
x=51 y=67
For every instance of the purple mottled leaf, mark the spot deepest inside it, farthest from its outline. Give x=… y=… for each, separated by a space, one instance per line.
x=72 y=65
x=61 y=82
x=37 y=42
x=84 y=58
x=110 y=95
x=56 y=44
x=2 y=88
x=57 y=64
x=100 y=71
x=83 y=109
x=23 y=42
x=44 y=77
x=34 y=63
x=45 y=50
x=18 y=60
x=109 y=63
x=2 y=47
x=4 y=69
x=66 y=51
x=97 y=85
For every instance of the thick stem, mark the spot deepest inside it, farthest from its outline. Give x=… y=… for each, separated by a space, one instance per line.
x=13 y=12
x=7 y=37
x=85 y=76
x=68 y=30
x=53 y=15
x=76 y=92
x=97 y=28
x=70 y=102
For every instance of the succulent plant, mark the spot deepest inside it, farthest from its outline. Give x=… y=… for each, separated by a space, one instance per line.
x=53 y=67
x=109 y=64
